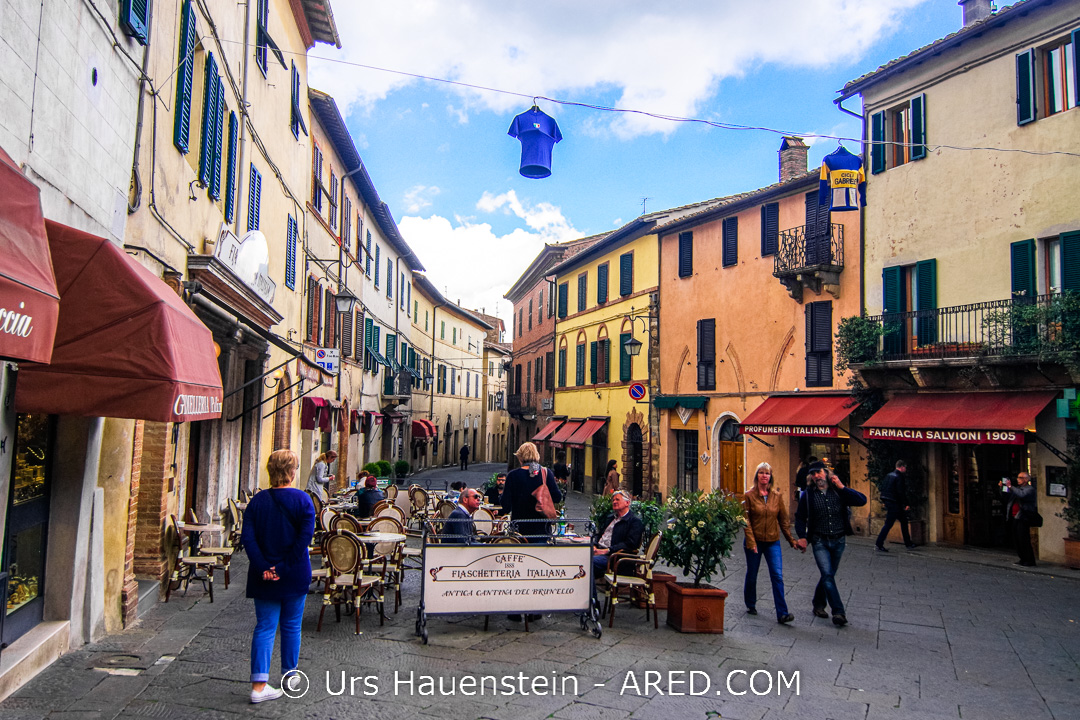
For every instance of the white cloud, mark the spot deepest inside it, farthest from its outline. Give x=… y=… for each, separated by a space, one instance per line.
x=419 y=197
x=660 y=57
x=478 y=263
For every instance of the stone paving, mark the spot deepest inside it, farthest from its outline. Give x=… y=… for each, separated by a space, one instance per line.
x=933 y=635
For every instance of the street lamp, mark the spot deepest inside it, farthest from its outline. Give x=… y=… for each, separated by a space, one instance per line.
x=345 y=300
x=632 y=344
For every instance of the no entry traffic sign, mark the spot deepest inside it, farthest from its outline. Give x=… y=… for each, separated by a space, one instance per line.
x=637 y=391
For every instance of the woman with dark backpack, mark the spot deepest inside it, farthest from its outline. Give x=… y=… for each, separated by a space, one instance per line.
x=278 y=526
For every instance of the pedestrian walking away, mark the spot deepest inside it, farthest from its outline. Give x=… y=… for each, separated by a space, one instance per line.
x=319 y=478
x=1021 y=511
x=463 y=455
x=767 y=519
x=822 y=522
x=278 y=526
x=893 y=492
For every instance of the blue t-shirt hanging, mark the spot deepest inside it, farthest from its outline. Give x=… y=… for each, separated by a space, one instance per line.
x=538 y=133
x=843 y=184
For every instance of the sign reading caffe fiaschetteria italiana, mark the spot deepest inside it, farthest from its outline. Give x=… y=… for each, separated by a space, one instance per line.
x=962 y=437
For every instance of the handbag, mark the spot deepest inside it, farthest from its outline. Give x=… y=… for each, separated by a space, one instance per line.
x=1032 y=518
x=544 y=504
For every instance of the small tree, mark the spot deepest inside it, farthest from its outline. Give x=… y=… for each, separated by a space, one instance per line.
x=857 y=339
x=701 y=532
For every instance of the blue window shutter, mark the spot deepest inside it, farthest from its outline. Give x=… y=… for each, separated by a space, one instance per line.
x=290 y=254
x=877 y=140
x=184 y=77
x=210 y=98
x=1070 y=261
x=1023 y=268
x=367 y=259
x=562 y=367
x=219 y=128
x=378 y=261
x=294 y=119
x=254 y=198
x=1026 y=106
x=135 y=19
x=230 y=169
x=262 y=19
x=918 y=127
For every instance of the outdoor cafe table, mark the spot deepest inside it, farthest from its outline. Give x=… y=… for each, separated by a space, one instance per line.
x=376 y=538
x=195 y=529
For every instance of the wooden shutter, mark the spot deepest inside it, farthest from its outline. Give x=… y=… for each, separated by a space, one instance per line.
x=358 y=339
x=309 y=330
x=686 y=254
x=926 y=299
x=210 y=133
x=601 y=284
x=917 y=110
x=562 y=367
x=346 y=334
x=582 y=291
x=593 y=361
x=1026 y=105
x=330 y=310
x=624 y=358
x=1023 y=268
x=185 y=74
x=626 y=273
x=819 y=343
x=549 y=370
x=1075 y=38
x=564 y=292
x=579 y=369
x=1070 y=261
x=730 y=250
x=706 y=337
x=230 y=169
x=316 y=316
x=254 y=198
x=770 y=228
x=892 y=301
x=818 y=230
x=290 y=254
x=135 y=19
x=604 y=374
x=877 y=140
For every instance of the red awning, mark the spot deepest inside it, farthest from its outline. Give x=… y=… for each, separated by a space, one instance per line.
x=422 y=429
x=546 y=431
x=564 y=433
x=586 y=431
x=29 y=302
x=967 y=418
x=126 y=345
x=800 y=415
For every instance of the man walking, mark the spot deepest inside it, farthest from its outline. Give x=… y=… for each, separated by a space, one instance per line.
x=464 y=456
x=893 y=490
x=822 y=519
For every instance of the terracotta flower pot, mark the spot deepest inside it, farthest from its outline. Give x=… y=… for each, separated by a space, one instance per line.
x=695 y=609
x=1072 y=554
x=660 y=590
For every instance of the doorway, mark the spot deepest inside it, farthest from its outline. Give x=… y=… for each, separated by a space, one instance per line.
x=600 y=459
x=984 y=504
x=635 y=465
x=730 y=445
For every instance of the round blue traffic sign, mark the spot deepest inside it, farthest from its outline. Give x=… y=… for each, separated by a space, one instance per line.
x=637 y=391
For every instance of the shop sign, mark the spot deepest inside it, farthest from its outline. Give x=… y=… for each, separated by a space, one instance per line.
x=304 y=371
x=227 y=250
x=960 y=437
x=795 y=430
x=186 y=405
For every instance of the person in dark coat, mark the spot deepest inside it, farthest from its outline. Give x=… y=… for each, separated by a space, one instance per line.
x=459 y=526
x=893 y=492
x=1021 y=502
x=519 y=498
x=494 y=493
x=822 y=521
x=369 y=497
x=618 y=531
x=463 y=455
x=278 y=526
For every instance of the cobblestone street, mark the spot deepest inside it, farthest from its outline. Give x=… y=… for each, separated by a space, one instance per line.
x=934 y=634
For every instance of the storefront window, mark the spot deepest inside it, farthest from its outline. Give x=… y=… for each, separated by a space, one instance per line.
x=26 y=567
x=687 y=454
x=27 y=522
x=30 y=458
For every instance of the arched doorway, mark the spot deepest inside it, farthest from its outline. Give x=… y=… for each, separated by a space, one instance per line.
x=729 y=453
x=634 y=470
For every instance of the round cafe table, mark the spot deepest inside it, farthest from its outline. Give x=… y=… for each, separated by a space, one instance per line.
x=376 y=538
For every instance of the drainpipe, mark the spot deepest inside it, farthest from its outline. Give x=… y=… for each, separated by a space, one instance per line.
x=242 y=144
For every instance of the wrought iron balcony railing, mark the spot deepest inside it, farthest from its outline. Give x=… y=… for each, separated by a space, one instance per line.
x=1047 y=326
x=398 y=384
x=801 y=252
x=523 y=404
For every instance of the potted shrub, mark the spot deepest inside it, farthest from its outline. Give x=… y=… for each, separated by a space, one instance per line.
x=402 y=468
x=1070 y=512
x=699 y=535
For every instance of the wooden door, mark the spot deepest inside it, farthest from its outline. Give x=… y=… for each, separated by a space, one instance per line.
x=731 y=466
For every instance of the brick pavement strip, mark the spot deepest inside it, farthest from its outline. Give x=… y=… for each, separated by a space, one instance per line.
x=933 y=635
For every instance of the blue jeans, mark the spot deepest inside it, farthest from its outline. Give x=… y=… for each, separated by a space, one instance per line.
x=773 y=558
x=269 y=614
x=827 y=554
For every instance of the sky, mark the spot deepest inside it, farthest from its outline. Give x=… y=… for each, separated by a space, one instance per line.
x=440 y=156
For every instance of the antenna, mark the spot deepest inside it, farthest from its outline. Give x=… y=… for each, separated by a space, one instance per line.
x=643 y=200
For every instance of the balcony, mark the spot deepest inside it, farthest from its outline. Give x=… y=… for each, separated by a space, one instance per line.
x=520 y=405
x=811 y=260
x=397 y=384
x=1020 y=342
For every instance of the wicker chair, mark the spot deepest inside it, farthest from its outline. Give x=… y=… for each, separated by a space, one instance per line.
x=185 y=567
x=484 y=521
x=632 y=573
x=345 y=582
x=391 y=553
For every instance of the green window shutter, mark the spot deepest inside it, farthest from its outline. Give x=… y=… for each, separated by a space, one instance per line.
x=562 y=367
x=230 y=169
x=626 y=273
x=892 y=301
x=254 y=198
x=1023 y=268
x=1075 y=37
x=770 y=228
x=926 y=299
x=135 y=19
x=582 y=291
x=1026 y=106
x=290 y=254
x=601 y=284
x=624 y=358
x=1070 y=261
x=593 y=363
x=877 y=143
x=918 y=127
x=378 y=261
x=184 y=76
x=730 y=242
x=564 y=292
x=579 y=368
x=605 y=361
x=686 y=254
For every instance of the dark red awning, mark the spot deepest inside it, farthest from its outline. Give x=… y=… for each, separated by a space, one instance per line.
x=126 y=345
x=586 y=431
x=564 y=433
x=965 y=418
x=29 y=302
x=422 y=429
x=546 y=431
x=799 y=415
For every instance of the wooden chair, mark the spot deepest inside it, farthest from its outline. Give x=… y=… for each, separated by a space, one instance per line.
x=223 y=552
x=633 y=573
x=185 y=567
x=345 y=582
x=382 y=504
x=484 y=521
x=345 y=521
x=391 y=492
x=236 y=516
x=505 y=539
x=418 y=499
x=392 y=553
x=445 y=508
x=393 y=511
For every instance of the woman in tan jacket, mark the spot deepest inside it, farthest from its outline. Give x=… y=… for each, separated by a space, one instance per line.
x=767 y=516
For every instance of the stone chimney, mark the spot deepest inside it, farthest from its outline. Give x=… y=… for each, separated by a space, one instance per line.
x=792 y=158
x=976 y=10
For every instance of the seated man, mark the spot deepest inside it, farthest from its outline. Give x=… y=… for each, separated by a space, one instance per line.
x=494 y=493
x=367 y=498
x=459 y=527
x=618 y=530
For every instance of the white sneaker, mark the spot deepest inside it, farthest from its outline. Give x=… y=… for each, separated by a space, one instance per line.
x=267 y=693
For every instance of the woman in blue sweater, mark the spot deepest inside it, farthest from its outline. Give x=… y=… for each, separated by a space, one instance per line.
x=278 y=526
